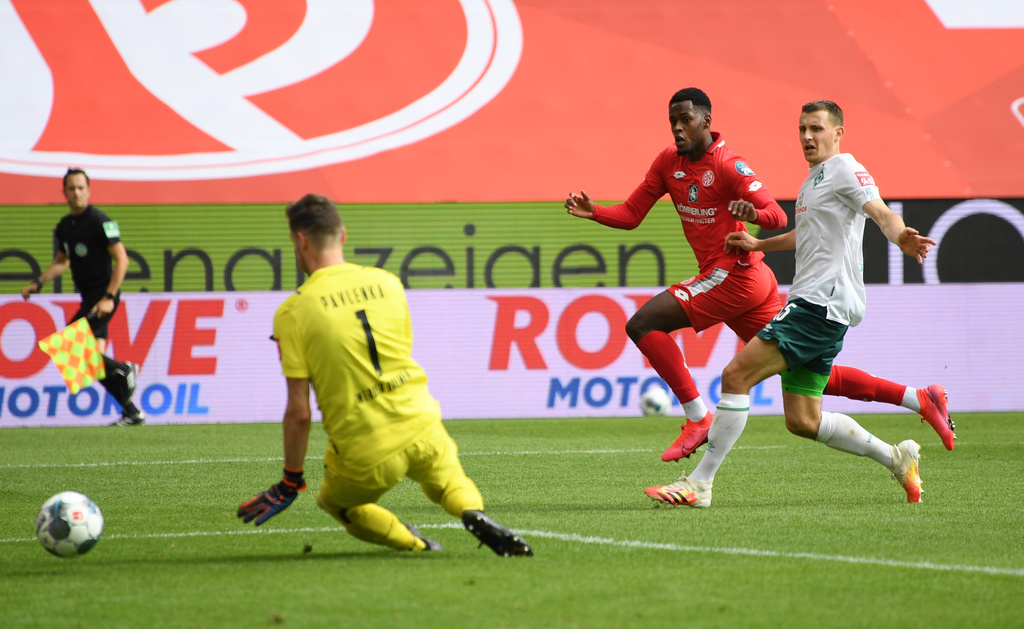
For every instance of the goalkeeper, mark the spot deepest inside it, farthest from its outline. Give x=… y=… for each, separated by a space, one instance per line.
x=347 y=333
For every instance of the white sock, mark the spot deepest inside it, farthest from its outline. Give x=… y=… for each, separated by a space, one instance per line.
x=695 y=409
x=843 y=433
x=730 y=419
x=910 y=400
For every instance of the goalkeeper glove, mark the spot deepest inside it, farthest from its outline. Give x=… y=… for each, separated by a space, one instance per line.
x=269 y=503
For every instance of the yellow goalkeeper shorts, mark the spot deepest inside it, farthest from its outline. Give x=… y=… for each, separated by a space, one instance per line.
x=432 y=461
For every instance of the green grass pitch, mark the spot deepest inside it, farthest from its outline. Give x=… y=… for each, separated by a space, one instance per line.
x=798 y=535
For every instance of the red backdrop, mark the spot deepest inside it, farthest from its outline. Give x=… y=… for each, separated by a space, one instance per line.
x=933 y=109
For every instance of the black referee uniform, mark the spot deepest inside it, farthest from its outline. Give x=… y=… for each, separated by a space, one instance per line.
x=84 y=239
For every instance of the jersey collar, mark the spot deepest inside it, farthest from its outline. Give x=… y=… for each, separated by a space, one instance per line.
x=716 y=143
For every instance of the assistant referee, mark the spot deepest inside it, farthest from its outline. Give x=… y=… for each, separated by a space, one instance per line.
x=89 y=242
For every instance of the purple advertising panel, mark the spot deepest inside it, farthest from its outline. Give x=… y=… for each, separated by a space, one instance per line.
x=207 y=357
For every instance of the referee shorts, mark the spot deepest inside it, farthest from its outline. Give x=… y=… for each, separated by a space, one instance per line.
x=97 y=324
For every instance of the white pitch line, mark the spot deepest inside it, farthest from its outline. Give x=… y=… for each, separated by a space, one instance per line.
x=754 y=552
x=607 y=541
x=10 y=466
x=245 y=531
x=13 y=466
x=121 y=463
x=626 y=451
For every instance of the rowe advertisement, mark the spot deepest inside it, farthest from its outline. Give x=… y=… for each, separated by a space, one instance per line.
x=207 y=357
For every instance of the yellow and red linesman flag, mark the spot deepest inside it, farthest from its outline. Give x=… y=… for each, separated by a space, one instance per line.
x=73 y=350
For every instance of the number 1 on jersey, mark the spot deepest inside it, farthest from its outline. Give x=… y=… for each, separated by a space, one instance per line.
x=370 y=343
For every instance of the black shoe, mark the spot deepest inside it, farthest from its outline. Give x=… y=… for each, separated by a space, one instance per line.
x=431 y=544
x=131 y=416
x=498 y=538
x=136 y=418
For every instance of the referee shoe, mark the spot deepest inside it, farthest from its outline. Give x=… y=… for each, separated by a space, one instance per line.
x=133 y=418
x=131 y=415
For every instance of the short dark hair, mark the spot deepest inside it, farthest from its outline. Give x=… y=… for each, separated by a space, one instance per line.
x=699 y=99
x=75 y=171
x=835 y=113
x=316 y=216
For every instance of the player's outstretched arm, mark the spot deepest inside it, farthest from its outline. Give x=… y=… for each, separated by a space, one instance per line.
x=296 y=423
x=740 y=241
x=626 y=215
x=743 y=240
x=269 y=503
x=912 y=243
x=908 y=239
x=580 y=205
x=298 y=417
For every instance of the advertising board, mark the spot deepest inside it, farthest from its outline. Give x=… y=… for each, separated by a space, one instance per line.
x=457 y=245
x=465 y=245
x=255 y=101
x=207 y=357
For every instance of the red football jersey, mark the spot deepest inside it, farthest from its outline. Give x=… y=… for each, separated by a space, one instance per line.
x=701 y=192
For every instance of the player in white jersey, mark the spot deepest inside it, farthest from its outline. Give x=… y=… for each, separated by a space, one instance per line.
x=830 y=260
x=826 y=298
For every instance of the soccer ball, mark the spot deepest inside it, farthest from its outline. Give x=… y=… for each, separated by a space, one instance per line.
x=69 y=524
x=655 y=401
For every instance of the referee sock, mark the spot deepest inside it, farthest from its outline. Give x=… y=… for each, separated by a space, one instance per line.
x=730 y=419
x=843 y=433
x=116 y=381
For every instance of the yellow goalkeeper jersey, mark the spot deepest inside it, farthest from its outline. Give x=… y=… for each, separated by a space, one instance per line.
x=347 y=330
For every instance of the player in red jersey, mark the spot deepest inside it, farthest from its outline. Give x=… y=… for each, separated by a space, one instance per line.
x=714 y=192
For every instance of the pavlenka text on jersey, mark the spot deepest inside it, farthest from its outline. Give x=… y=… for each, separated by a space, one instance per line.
x=383 y=387
x=352 y=296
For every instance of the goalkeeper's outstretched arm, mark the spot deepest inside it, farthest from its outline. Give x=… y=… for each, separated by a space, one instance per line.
x=296 y=423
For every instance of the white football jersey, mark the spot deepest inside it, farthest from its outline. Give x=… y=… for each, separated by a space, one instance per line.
x=829 y=237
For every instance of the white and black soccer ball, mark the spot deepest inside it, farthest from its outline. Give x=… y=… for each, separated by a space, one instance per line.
x=69 y=524
x=655 y=402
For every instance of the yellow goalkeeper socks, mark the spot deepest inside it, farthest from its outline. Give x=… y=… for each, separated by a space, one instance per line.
x=375 y=524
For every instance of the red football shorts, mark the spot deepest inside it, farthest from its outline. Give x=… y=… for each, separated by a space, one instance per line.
x=744 y=298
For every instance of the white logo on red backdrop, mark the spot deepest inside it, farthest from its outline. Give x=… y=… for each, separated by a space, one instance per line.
x=212 y=89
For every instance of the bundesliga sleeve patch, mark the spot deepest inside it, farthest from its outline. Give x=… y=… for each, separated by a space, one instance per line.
x=744 y=170
x=111 y=229
x=865 y=178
